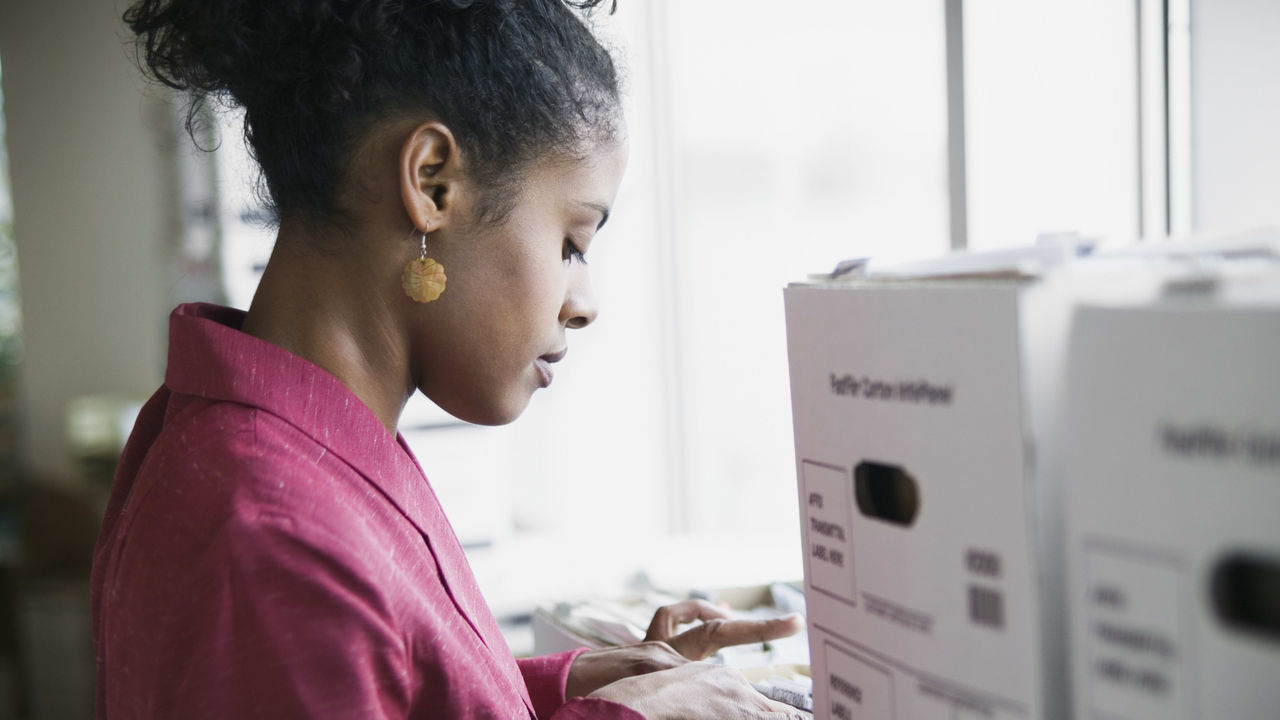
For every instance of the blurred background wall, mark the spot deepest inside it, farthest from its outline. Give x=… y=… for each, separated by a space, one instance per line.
x=89 y=206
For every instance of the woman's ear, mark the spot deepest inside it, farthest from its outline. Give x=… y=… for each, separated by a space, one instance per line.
x=430 y=170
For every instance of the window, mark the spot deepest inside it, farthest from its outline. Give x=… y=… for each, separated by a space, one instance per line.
x=796 y=139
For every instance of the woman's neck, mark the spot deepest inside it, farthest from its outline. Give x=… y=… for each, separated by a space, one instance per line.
x=326 y=307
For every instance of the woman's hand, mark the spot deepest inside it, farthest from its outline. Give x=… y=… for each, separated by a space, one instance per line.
x=664 y=650
x=694 y=691
x=716 y=630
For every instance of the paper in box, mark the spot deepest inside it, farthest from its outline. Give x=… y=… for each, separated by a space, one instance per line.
x=915 y=401
x=1173 y=487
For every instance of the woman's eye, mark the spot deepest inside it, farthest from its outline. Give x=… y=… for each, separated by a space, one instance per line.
x=571 y=252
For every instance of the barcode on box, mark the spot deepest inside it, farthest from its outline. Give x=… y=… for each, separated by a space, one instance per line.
x=986 y=607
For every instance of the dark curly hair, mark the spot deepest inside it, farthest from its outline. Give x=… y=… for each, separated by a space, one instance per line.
x=513 y=79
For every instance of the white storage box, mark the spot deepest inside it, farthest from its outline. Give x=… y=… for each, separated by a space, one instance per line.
x=916 y=399
x=1173 y=488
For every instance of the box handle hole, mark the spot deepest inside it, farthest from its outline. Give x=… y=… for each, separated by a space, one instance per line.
x=886 y=492
x=1246 y=593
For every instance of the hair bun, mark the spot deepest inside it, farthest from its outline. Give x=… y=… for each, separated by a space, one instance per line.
x=506 y=75
x=247 y=48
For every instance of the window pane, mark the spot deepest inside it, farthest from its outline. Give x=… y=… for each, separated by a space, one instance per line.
x=799 y=139
x=1051 y=120
x=1235 y=86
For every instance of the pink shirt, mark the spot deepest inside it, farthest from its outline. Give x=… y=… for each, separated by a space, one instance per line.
x=271 y=551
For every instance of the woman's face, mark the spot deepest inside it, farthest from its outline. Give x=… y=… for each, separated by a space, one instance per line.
x=514 y=289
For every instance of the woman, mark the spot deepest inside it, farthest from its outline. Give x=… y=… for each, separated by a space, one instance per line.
x=271 y=548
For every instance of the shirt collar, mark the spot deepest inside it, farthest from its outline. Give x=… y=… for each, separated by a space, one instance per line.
x=210 y=357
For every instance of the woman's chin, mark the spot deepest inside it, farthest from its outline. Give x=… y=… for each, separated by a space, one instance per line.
x=502 y=411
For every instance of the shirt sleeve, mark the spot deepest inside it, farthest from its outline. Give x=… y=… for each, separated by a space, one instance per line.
x=282 y=625
x=547 y=676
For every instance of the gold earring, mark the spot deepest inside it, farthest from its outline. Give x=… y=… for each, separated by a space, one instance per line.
x=423 y=278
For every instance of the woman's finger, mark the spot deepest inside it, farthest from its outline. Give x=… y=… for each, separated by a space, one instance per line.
x=669 y=617
x=704 y=640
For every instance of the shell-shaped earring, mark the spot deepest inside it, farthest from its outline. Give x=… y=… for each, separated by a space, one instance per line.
x=423 y=278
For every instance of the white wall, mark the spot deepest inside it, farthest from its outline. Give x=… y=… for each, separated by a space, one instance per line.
x=1235 y=114
x=89 y=214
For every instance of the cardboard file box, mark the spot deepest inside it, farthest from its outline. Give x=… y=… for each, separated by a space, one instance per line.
x=917 y=399
x=1173 y=505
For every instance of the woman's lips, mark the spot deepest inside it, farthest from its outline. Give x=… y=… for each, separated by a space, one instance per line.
x=543 y=363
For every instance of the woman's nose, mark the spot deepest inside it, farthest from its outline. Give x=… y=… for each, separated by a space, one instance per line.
x=579 y=308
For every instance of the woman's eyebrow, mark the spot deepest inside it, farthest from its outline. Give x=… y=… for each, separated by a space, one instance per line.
x=598 y=207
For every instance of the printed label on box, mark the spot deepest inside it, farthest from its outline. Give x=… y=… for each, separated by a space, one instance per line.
x=828 y=520
x=857 y=688
x=1136 y=634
